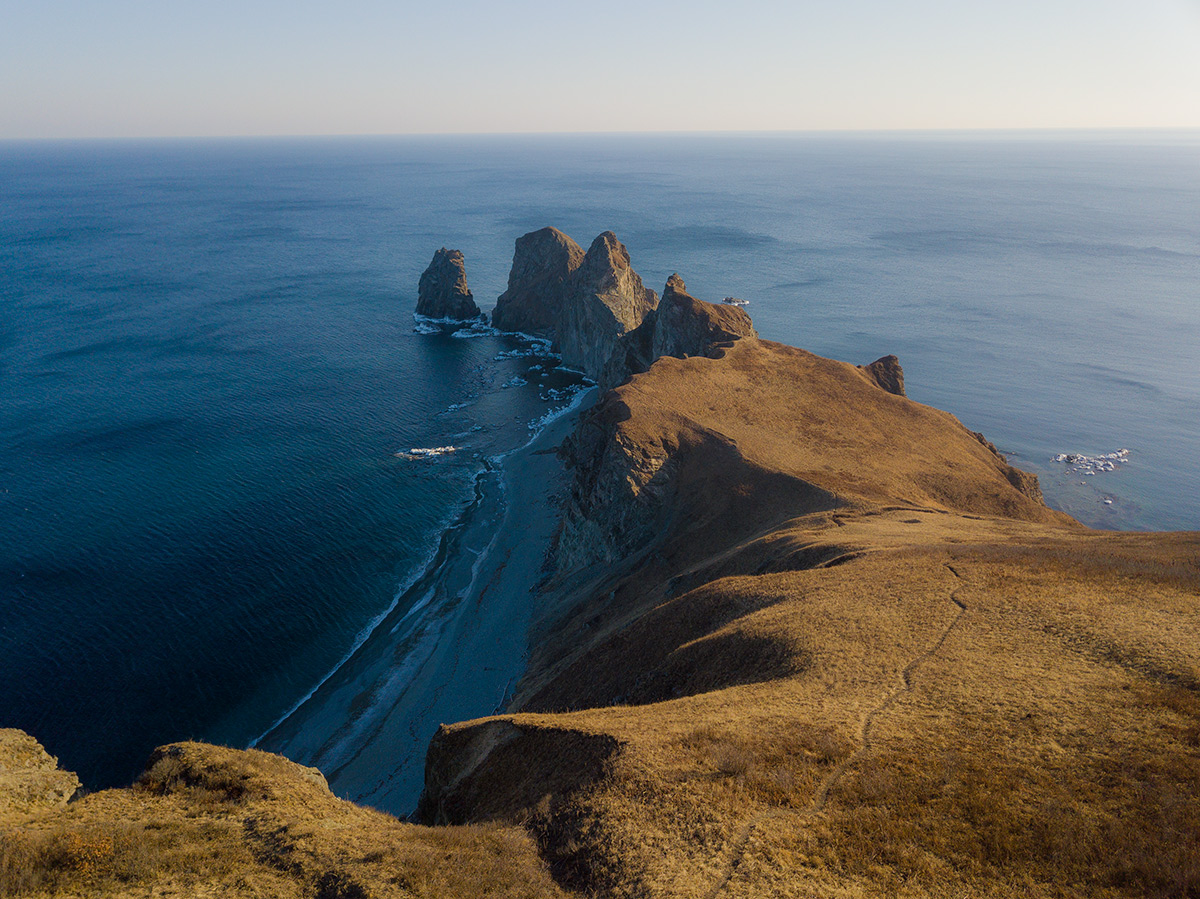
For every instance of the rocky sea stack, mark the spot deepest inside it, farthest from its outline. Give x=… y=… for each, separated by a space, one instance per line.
x=599 y=314
x=442 y=291
x=542 y=263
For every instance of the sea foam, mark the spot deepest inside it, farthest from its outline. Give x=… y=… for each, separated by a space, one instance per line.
x=1090 y=465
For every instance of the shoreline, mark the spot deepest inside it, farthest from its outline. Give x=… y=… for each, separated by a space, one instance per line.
x=454 y=651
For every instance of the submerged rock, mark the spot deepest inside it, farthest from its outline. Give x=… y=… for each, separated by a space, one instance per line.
x=443 y=292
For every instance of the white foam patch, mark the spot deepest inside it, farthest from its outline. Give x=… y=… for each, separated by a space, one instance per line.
x=474 y=331
x=539 y=424
x=426 y=452
x=1092 y=465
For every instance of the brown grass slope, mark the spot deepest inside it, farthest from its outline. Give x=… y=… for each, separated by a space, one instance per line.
x=805 y=638
x=208 y=821
x=809 y=638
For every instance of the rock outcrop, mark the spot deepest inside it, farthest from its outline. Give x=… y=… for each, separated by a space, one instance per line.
x=443 y=292
x=605 y=300
x=600 y=315
x=586 y=303
x=685 y=326
x=543 y=261
x=30 y=779
x=887 y=373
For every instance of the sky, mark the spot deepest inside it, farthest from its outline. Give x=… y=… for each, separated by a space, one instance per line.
x=132 y=68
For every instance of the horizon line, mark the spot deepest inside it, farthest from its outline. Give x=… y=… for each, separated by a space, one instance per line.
x=779 y=132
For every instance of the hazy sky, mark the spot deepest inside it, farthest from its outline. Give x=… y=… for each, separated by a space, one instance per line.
x=83 y=68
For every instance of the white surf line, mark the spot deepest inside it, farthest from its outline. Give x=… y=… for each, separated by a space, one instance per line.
x=418 y=572
x=539 y=425
x=359 y=734
x=425 y=567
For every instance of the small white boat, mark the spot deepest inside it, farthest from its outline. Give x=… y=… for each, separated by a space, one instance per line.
x=734 y=301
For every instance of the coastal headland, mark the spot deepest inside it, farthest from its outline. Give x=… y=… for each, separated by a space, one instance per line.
x=801 y=636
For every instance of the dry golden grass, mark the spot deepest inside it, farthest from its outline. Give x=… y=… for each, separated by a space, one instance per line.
x=218 y=822
x=826 y=423
x=898 y=676
x=809 y=639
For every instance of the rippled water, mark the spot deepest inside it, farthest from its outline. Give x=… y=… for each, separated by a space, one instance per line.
x=207 y=363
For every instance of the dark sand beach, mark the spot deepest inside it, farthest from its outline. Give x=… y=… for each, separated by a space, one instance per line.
x=452 y=649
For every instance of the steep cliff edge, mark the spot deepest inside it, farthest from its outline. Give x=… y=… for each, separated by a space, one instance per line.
x=210 y=821
x=807 y=637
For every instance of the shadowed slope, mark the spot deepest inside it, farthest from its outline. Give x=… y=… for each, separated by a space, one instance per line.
x=204 y=820
x=804 y=637
x=840 y=647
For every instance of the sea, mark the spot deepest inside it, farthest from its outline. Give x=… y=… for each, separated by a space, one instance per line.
x=212 y=381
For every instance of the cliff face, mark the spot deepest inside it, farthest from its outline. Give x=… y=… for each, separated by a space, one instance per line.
x=802 y=637
x=808 y=637
x=686 y=326
x=542 y=263
x=600 y=315
x=442 y=291
x=587 y=303
x=605 y=300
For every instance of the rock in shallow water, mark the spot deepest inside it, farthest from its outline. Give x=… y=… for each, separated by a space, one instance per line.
x=443 y=292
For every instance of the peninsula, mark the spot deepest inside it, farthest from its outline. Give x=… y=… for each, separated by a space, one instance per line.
x=802 y=636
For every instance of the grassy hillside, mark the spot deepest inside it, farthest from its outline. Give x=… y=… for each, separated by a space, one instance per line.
x=804 y=637
x=920 y=682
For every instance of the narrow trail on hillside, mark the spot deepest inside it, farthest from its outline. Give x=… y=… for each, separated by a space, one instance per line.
x=740 y=843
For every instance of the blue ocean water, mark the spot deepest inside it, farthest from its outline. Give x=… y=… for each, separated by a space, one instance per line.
x=208 y=363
